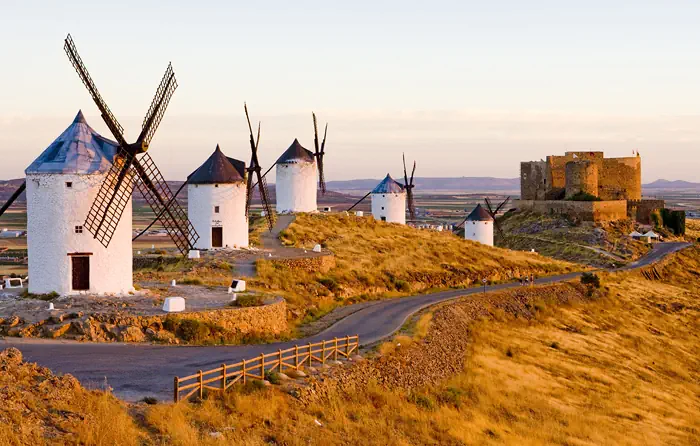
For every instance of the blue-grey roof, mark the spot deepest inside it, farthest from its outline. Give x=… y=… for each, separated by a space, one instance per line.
x=79 y=150
x=388 y=186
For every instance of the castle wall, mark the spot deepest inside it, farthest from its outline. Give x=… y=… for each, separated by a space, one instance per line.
x=581 y=176
x=533 y=180
x=583 y=210
x=621 y=179
x=641 y=210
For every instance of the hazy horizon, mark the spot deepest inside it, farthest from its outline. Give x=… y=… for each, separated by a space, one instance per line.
x=464 y=88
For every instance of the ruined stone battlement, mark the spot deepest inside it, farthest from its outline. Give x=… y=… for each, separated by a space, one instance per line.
x=563 y=176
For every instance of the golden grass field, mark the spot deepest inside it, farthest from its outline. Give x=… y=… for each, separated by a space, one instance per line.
x=376 y=259
x=620 y=368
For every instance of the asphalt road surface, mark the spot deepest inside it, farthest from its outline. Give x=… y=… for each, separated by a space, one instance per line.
x=134 y=371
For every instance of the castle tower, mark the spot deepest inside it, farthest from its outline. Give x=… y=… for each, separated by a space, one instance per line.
x=216 y=202
x=295 y=185
x=62 y=183
x=581 y=177
x=479 y=226
x=389 y=201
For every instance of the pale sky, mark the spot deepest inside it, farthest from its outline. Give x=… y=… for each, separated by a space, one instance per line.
x=466 y=88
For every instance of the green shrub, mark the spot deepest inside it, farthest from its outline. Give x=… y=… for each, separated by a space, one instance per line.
x=583 y=196
x=590 y=279
x=247 y=300
x=402 y=285
x=191 y=281
x=273 y=377
x=421 y=400
x=329 y=283
x=47 y=297
x=451 y=396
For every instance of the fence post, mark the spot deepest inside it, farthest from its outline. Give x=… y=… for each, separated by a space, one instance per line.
x=310 y=356
x=323 y=352
x=335 y=349
x=244 y=380
x=176 y=389
x=262 y=365
x=347 y=347
x=223 y=378
x=279 y=364
x=296 y=357
x=201 y=385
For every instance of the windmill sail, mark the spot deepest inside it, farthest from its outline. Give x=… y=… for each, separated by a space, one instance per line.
x=255 y=169
x=13 y=197
x=319 y=154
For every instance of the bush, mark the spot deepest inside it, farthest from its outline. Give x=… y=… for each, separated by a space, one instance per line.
x=247 y=300
x=191 y=281
x=583 y=196
x=590 y=279
x=402 y=285
x=273 y=377
x=329 y=283
x=47 y=297
x=423 y=401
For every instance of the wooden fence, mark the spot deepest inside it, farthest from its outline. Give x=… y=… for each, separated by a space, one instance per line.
x=255 y=368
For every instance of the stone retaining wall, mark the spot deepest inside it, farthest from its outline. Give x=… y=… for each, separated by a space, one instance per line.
x=321 y=264
x=583 y=210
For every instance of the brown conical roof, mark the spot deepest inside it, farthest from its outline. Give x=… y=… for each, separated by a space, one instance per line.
x=218 y=168
x=479 y=214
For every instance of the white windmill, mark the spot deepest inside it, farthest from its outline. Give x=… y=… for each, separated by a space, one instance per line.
x=216 y=203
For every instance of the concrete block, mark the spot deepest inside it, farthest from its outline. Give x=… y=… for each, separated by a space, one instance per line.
x=174 y=304
x=359 y=214
x=237 y=286
x=193 y=254
x=317 y=248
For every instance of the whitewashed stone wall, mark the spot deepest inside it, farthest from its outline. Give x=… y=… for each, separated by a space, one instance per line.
x=53 y=212
x=479 y=231
x=389 y=205
x=230 y=198
x=296 y=187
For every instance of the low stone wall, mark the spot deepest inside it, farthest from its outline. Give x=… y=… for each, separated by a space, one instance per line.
x=270 y=319
x=583 y=210
x=321 y=264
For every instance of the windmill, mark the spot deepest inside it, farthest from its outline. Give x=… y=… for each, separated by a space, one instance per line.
x=319 y=154
x=255 y=168
x=133 y=165
x=389 y=198
x=408 y=186
x=494 y=211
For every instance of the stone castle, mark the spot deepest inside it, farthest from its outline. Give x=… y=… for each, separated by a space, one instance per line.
x=561 y=177
x=586 y=186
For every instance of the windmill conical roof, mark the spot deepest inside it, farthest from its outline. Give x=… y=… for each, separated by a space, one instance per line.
x=218 y=168
x=388 y=186
x=479 y=214
x=296 y=153
x=78 y=150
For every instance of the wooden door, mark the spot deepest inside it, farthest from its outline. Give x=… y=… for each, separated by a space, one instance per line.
x=217 y=237
x=81 y=273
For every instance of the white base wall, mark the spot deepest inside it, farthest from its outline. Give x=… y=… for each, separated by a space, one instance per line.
x=479 y=231
x=296 y=187
x=390 y=206
x=230 y=198
x=53 y=212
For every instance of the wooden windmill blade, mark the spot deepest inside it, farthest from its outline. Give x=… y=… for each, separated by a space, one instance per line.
x=359 y=201
x=107 y=115
x=408 y=184
x=13 y=197
x=320 y=152
x=255 y=169
x=160 y=198
x=160 y=102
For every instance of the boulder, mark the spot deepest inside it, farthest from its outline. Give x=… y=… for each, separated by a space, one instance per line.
x=132 y=333
x=174 y=304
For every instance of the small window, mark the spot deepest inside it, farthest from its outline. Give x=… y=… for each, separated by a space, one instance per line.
x=216 y=185
x=78 y=229
x=216 y=209
x=382 y=207
x=383 y=218
x=69 y=184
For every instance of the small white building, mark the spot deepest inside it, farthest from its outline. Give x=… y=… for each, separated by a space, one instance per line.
x=389 y=201
x=296 y=182
x=479 y=226
x=62 y=183
x=216 y=202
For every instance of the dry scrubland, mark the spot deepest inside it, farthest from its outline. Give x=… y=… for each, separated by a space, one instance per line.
x=376 y=259
x=564 y=364
x=561 y=238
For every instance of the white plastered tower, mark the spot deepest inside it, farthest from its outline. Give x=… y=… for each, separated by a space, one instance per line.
x=478 y=226
x=389 y=201
x=296 y=180
x=62 y=184
x=216 y=198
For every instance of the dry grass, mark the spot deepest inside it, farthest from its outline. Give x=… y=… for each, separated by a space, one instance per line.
x=376 y=259
x=692 y=229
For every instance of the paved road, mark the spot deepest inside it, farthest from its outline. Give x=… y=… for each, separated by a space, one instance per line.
x=137 y=370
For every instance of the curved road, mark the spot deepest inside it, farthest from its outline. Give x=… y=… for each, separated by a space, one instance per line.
x=138 y=370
